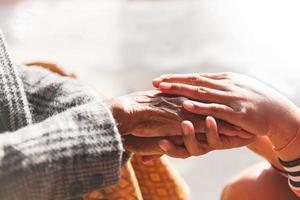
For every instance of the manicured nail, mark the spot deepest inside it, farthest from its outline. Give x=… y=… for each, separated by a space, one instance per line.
x=165 y=86
x=188 y=105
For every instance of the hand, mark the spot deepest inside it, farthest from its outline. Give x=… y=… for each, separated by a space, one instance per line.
x=237 y=99
x=196 y=146
x=151 y=114
x=190 y=144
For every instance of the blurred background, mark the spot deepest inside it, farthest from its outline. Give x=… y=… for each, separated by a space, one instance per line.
x=118 y=46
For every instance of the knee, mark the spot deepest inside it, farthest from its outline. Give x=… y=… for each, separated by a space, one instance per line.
x=233 y=191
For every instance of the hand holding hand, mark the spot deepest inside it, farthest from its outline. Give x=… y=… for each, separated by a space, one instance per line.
x=151 y=114
x=237 y=99
x=190 y=144
x=200 y=144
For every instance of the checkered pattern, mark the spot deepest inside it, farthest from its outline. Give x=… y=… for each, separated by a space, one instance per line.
x=58 y=141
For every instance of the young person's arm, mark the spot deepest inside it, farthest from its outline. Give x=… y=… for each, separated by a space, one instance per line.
x=264 y=147
x=247 y=103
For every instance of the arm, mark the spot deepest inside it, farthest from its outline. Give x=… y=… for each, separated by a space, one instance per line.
x=62 y=157
x=264 y=147
x=249 y=104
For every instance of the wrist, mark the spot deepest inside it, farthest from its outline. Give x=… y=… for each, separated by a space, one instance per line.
x=119 y=114
x=284 y=133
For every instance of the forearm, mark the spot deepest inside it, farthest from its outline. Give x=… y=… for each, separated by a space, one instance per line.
x=285 y=138
x=71 y=153
x=264 y=147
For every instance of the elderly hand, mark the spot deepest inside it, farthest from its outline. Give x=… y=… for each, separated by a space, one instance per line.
x=190 y=144
x=237 y=99
x=151 y=114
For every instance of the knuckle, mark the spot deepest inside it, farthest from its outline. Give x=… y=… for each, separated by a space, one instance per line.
x=195 y=79
x=200 y=90
x=216 y=109
x=176 y=87
x=167 y=77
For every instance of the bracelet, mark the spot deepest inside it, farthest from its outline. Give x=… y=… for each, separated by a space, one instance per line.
x=288 y=144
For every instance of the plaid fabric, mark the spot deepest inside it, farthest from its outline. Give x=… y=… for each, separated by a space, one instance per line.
x=58 y=141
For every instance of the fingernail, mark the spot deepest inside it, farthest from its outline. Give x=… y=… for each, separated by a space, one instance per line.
x=163 y=145
x=156 y=81
x=165 y=86
x=188 y=105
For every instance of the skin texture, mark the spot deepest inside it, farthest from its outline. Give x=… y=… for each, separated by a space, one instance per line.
x=151 y=114
x=259 y=182
x=242 y=101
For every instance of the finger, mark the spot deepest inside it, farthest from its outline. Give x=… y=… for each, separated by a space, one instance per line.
x=231 y=130
x=142 y=145
x=172 y=150
x=212 y=135
x=194 y=92
x=218 y=75
x=234 y=142
x=222 y=141
x=190 y=79
x=191 y=142
x=149 y=159
x=223 y=128
x=177 y=140
x=219 y=111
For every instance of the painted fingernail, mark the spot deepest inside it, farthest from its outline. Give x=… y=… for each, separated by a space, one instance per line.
x=188 y=105
x=165 y=86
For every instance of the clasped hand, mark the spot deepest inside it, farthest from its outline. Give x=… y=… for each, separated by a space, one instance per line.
x=153 y=124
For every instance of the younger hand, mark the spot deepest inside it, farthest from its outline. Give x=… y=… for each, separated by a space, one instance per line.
x=196 y=145
x=237 y=99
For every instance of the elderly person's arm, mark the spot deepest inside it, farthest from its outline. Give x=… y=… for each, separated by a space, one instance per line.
x=75 y=147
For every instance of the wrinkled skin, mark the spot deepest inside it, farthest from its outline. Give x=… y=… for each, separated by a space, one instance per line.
x=153 y=114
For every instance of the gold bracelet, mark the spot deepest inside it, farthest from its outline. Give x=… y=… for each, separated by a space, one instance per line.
x=288 y=144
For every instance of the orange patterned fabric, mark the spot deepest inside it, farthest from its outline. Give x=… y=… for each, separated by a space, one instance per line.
x=156 y=180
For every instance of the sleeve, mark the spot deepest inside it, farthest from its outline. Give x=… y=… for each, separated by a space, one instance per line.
x=293 y=170
x=63 y=157
x=49 y=94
